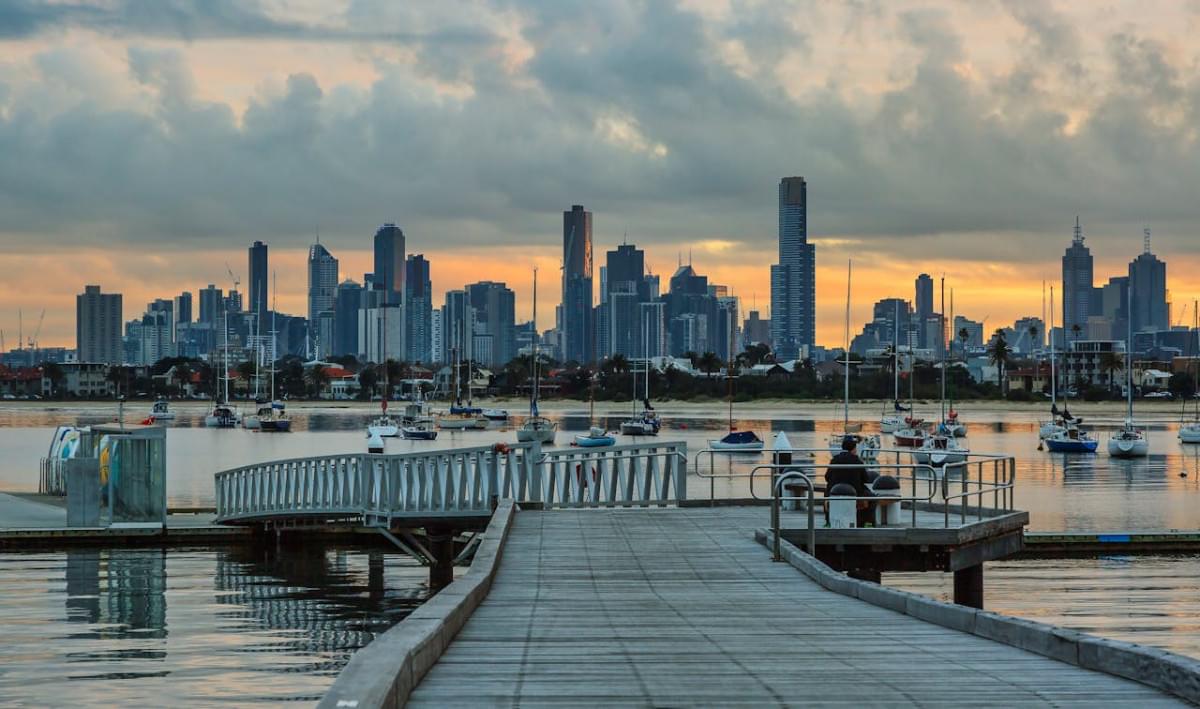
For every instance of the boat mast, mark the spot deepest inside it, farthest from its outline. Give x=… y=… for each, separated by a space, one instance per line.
x=942 y=353
x=1129 y=357
x=533 y=365
x=274 y=306
x=950 y=338
x=846 y=372
x=1053 y=371
x=896 y=352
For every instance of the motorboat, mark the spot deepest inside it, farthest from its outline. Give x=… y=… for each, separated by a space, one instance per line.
x=1190 y=432
x=384 y=426
x=648 y=424
x=374 y=442
x=913 y=434
x=222 y=416
x=596 y=437
x=737 y=441
x=495 y=414
x=1129 y=442
x=939 y=450
x=419 y=432
x=1072 y=440
x=161 y=411
x=537 y=428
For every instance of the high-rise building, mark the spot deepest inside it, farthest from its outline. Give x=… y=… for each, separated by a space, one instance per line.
x=233 y=302
x=322 y=294
x=212 y=303
x=691 y=313
x=183 y=308
x=923 y=307
x=1076 y=285
x=389 y=263
x=458 y=327
x=577 y=297
x=259 y=285
x=625 y=288
x=495 y=323
x=436 y=339
x=98 y=327
x=793 y=279
x=157 y=332
x=1114 y=306
x=1148 y=292
x=1026 y=342
x=893 y=317
x=345 y=320
x=418 y=306
x=973 y=329
x=755 y=330
x=654 y=329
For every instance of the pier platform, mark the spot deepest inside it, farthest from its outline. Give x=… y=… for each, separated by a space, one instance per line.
x=681 y=607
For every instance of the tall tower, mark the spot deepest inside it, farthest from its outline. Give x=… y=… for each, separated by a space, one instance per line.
x=923 y=307
x=577 y=297
x=1076 y=286
x=322 y=293
x=418 y=304
x=793 y=279
x=1148 y=286
x=258 y=278
x=98 y=327
x=389 y=263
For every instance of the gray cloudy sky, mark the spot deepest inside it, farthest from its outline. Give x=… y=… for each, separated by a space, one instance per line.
x=935 y=135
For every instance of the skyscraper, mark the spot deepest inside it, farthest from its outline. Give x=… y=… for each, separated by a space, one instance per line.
x=1148 y=286
x=793 y=279
x=259 y=286
x=458 y=327
x=183 y=308
x=418 y=306
x=98 y=326
x=322 y=293
x=389 y=263
x=212 y=303
x=627 y=289
x=577 y=294
x=495 y=322
x=345 y=320
x=923 y=307
x=1076 y=285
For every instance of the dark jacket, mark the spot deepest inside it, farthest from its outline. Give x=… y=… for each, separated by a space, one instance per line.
x=856 y=476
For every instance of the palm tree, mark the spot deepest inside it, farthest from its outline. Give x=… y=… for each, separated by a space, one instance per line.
x=708 y=363
x=1000 y=355
x=963 y=336
x=1110 y=364
x=1075 y=331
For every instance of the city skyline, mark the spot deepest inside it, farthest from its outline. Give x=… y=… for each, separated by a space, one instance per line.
x=325 y=123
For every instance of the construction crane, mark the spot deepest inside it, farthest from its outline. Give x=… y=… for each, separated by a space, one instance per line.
x=1182 y=316
x=33 y=339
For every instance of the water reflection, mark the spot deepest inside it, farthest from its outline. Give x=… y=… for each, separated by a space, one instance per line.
x=193 y=627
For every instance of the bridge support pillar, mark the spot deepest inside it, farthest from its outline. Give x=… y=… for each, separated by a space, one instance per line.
x=968 y=586
x=441 y=547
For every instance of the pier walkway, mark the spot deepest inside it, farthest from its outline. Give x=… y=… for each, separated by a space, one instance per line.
x=681 y=607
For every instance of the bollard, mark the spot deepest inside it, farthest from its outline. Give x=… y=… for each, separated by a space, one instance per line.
x=843 y=508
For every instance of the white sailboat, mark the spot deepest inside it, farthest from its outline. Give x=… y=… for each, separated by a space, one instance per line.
x=461 y=417
x=536 y=427
x=1189 y=431
x=222 y=414
x=647 y=423
x=1130 y=441
x=893 y=421
x=951 y=424
x=383 y=425
x=942 y=448
x=867 y=445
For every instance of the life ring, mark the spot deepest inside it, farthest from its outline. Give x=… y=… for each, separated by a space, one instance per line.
x=500 y=448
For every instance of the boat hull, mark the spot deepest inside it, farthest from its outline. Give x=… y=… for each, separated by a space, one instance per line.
x=1190 y=433
x=638 y=428
x=461 y=424
x=276 y=426
x=1050 y=429
x=890 y=424
x=383 y=431
x=720 y=446
x=594 y=441
x=1118 y=448
x=909 y=440
x=1071 y=446
x=419 y=434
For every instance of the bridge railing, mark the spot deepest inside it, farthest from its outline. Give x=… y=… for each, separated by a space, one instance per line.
x=452 y=482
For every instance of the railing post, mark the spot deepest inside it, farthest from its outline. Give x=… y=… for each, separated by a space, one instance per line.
x=680 y=467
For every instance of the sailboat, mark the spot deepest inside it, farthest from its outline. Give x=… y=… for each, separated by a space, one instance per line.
x=1130 y=441
x=912 y=434
x=893 y=421
x=951 y=424
x=461 y=417
x=735 y=440
x=1059 y=422
x=942 y=448
x=867 y=446
x=273 y=418
x=383 y=425
x=536 y=427
x=596 y=436
x=222 y=414
x=1189 y=431
x=647 y=423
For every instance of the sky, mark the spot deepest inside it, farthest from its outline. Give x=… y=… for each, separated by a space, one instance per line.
x=145 y=143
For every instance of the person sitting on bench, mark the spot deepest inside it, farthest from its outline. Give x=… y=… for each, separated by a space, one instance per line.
x=849 y=469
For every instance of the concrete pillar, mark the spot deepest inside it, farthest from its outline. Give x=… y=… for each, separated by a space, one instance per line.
x=968 y=586
x=866 y=575
x=441 y=546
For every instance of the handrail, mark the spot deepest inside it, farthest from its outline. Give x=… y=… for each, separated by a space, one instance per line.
x=777 y=524
x=932 y=480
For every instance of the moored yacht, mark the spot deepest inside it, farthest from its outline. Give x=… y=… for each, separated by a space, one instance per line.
x=161 y=411
x=1071 y=439
x=1130 y=441
x=941 y=450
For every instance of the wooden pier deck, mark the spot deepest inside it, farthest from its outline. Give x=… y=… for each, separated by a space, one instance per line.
x=680 y=607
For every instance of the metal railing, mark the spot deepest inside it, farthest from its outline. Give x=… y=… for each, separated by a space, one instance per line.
x=453 y=482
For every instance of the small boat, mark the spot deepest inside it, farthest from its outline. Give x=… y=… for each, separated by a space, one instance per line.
x=1058 y=424
x=374 y=443
x=222 y=416
x=1129 y=442
x=951 y=426
x=274 y=418
x=495 y=414
x=595 y=437
x=738 y=441
x=384 y=426
x=645 y=425
x=466 y=410
x=940 y=450
x=1071 y=440
x=535 y=427
x=419 y=432
x=1190 y=432
x=913 y=434
x=161 y=411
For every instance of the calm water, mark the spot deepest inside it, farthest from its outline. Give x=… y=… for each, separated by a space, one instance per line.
x=148 y=627
x=205 y=627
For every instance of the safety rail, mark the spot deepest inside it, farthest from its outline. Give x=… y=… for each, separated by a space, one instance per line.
x=931 y=481
x=451 y=482
x=971 y=480
x=628 y=475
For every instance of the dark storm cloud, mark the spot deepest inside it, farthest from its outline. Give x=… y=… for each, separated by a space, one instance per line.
x=627 y=107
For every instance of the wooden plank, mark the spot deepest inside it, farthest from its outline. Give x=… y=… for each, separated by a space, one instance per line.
x=680 y=607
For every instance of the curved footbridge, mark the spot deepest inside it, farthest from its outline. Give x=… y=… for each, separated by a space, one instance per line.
x=611 y=589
